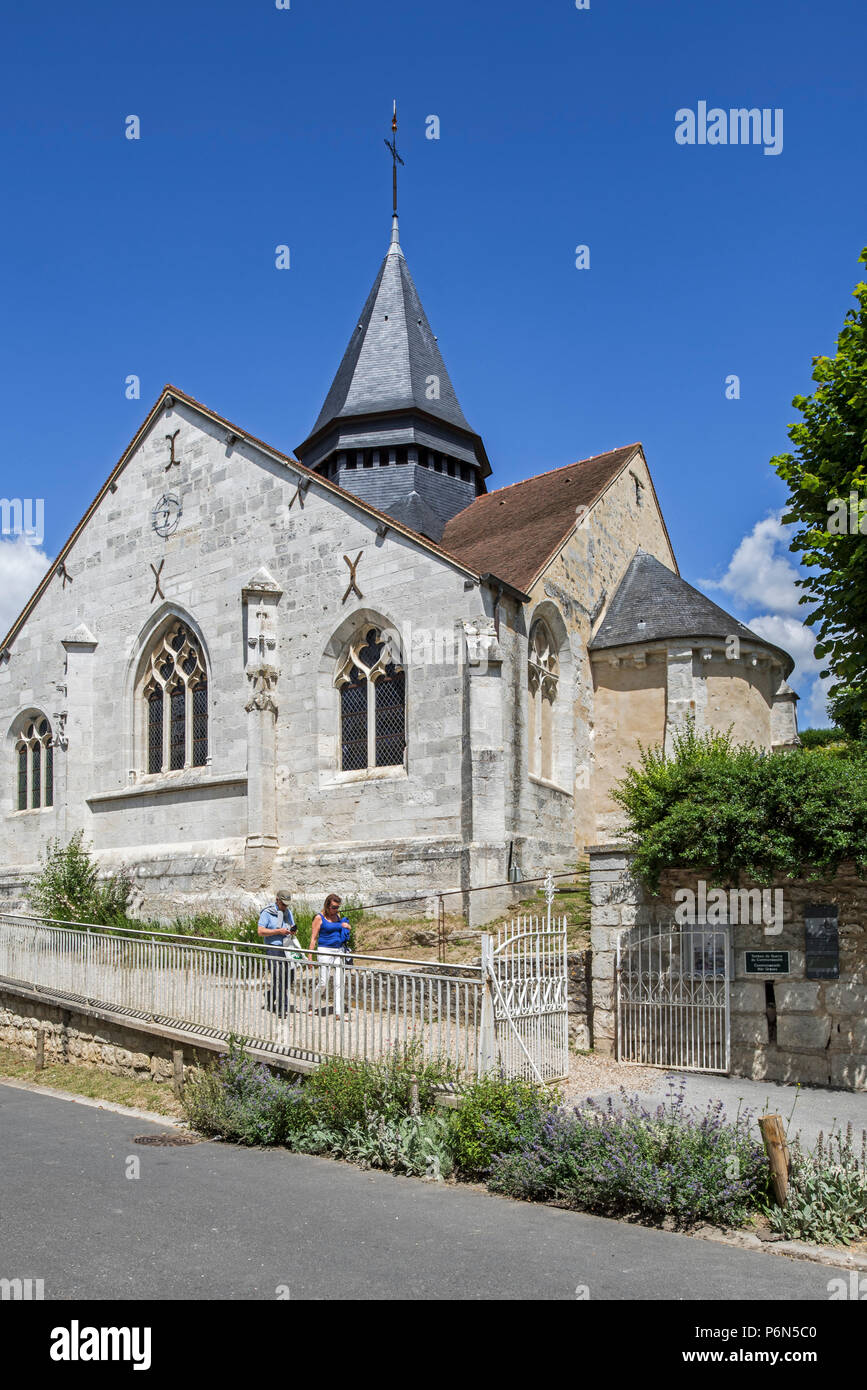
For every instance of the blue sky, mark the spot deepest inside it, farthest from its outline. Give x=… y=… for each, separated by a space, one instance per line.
x=262 y=126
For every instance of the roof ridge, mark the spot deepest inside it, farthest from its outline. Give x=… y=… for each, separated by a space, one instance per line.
x=591 y=458
x=169 y=389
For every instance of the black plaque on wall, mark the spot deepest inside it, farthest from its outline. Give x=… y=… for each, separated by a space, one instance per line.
x=822 y=941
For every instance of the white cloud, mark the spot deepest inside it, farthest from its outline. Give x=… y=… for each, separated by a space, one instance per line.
x=760 y=570
x=798 y=641
x=761 y=575
x=21 y=568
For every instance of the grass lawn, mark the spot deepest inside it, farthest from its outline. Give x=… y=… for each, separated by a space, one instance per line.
x=92 y=1082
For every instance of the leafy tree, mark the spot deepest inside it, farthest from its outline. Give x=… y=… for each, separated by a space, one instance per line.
x=829 y=466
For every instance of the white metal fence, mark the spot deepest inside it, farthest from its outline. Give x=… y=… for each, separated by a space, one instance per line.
x=673 y=997
x=508 y=1014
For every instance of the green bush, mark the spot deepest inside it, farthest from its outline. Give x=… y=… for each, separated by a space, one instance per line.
x=344 y=1107
x=68 y=888
x=823 y=738
x=732 y=810
x=494 y=1117
x=343 y=1092
x=827 y=1198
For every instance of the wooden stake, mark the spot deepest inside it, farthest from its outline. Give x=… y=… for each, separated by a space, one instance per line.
x=774 y=1136
x=40 y=1049
x=414 y=1108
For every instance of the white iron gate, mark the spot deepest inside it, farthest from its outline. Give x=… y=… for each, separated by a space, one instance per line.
x=527 y=997
x=673 y=993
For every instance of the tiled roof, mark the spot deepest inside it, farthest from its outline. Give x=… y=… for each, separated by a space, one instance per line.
x=513 y=531
x=651 y=604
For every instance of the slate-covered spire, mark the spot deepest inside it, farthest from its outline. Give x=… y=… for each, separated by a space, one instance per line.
x=392 y=430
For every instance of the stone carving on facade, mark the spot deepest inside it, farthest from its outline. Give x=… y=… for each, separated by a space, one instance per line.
x=60 y=739
x=264 y=680
x=483 y=644
x=261 y=597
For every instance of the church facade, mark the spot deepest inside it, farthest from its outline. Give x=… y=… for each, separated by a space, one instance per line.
x=357 y=668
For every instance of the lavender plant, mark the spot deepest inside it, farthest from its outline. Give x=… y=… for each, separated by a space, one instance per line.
x=628 y=1160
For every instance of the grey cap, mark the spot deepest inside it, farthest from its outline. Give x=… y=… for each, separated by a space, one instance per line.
x=282 y=895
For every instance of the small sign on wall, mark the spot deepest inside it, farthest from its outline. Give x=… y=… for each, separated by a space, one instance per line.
x=822 y=941
x=766 y=962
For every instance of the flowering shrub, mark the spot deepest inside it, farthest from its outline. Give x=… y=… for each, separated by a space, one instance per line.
x=243 y=1101
x=669 y=1162
x=342 y=1102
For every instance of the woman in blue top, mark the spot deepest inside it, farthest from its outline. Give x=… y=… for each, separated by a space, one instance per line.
x=329 y=937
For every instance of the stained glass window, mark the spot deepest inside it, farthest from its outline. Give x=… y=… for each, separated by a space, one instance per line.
x=155 y=731
x=200 y=724
x=353 y=709
x=35 y=775
x=22 y=777
x=390 y=718
x=176 y=694
x=178 y=736
x=372 y=704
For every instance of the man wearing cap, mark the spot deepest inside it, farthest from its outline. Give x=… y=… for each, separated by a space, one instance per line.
x=275 y=924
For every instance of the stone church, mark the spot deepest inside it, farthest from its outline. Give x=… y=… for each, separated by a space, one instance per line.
x=360 y=667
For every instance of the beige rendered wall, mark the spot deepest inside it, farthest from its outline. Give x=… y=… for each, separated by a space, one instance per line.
x=579 y=581
x=629 y=710
x=739 y=696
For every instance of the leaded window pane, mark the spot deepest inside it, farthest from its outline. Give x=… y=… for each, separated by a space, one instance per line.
x=49 y=774
x=353 y=722
x=200 y=724
x=155 y=731
x=22 y=777
x=36 y=775
x=390 y=718
x=178 y=728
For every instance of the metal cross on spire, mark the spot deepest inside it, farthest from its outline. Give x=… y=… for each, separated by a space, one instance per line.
x=395 y=159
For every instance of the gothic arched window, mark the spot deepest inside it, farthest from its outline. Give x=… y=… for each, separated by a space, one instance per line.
x=543 y=674
x=34 y=751
x=174 y=693
x=372 y=686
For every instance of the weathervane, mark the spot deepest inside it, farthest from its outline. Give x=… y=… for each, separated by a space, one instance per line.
x=395 y=159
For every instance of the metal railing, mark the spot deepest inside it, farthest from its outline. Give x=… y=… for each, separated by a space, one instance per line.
x=322 y=1007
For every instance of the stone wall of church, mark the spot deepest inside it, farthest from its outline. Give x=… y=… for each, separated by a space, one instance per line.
x=188 y=835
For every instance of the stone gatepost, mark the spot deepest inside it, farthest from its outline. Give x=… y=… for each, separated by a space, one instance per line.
x=616 y=901
x=260 y=598
x=484 y=782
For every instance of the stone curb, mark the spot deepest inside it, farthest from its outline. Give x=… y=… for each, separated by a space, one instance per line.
x=95 y=1103
x=793 y=1249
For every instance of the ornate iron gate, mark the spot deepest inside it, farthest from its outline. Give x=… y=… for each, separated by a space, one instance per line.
x=673 y=997
x=525 y=1012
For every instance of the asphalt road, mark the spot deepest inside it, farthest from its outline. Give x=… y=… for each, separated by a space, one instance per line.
x=212 y=1221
